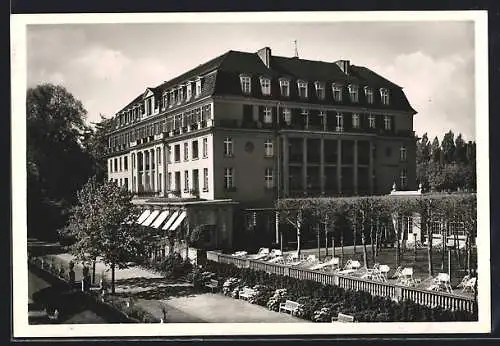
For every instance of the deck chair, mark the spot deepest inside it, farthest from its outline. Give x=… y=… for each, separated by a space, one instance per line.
x=384 y=270
x=397 y=273
x=464 y=281
x=406 y=277
x=470 y=285
x=263 y=252
x=277 y=259
x=240 y=254
x=351 y=267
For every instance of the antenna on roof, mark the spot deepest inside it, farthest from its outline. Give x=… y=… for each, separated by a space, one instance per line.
x=296 y=51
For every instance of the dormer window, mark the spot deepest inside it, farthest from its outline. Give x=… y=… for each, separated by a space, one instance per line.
x=337 y=92
x=172 y=98
x=188 y=91
x=285 y=87
x=302 y=88
x=355 y=121
x=287 y=116
x=320 y=90
x=246 y=84
x=165 y=101
x=369 y=95
x=149 y=106
x=268 y=115
x=265 y=85
x=198 y=87
x=384 y=96
x=180 y=95
x=340 y=123
x=371 y=121
x=353 y=92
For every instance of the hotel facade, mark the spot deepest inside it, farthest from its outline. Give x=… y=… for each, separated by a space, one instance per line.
x=245 y=129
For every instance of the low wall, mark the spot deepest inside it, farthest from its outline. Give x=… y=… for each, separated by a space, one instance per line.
x=393 y=291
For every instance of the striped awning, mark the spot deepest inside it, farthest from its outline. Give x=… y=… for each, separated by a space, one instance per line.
x=178 y=221
x=143 y=216
x=159 y=220
x=151 y=218
x=170 y=220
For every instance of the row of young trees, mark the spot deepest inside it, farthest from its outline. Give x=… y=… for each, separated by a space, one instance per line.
x=366 y=214
x=449 y=165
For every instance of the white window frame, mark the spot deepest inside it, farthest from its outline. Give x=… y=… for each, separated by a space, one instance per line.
x=340 y=122
x=228 y=178
x=186 y=181
x=268 y=148
x=205 y=147
x=337 y=92
x=320 y=90
x=186 y=151
x=355 y=121
x=189 y=91
x=228 y=146
x=384 y=96
x=169 y=181
x=198 y=88
x=302 y=85
x=171 y=97
x=265 y=86
x=180 y=95
x=268 y=115
x=353 y=93
x=369 y=95
x=387 y=123
x=246 y=84
x=158 y=156
x=403 y=178
x=403 y=153
x=205 y=179
x=372 y=121
x=323 y=116
x=285 y=83
x=287 y=115
x=268 y=178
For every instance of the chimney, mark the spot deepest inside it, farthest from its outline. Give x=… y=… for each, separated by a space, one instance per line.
x=344 y=65
x=265 y=55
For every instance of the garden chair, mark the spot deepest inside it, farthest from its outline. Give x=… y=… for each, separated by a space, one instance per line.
x=351 y=267
x=277 y=259
x=406 y=277
x=240 y=254
x=384 y=271
x=263 y=252
x=462 y=283
x=397 y=273
x=332 y=262
x=470 y=285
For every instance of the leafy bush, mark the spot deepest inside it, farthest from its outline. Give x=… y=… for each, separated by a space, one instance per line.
x=229 y=285
x=263 y=293
x=279 y=296
x=173 y=266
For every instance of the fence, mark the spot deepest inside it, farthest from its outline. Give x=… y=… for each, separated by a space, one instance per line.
x=396 y=292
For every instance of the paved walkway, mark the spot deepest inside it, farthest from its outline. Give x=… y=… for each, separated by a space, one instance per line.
x=152 y=292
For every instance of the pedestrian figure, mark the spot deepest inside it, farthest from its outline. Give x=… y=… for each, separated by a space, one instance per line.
x=164 y=311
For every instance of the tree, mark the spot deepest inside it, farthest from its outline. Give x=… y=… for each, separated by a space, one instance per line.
x=102 y=223
x=57 y=165
x=435 y=150
x=460 y=150
x=448 y=147
x=95 y=143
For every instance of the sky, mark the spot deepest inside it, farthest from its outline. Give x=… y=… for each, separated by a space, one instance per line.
x=107 y=65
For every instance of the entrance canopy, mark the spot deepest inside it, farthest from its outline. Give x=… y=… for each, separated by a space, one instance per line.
x=171 y=220
x=178 y=221
x=143 y=216
x=159 y=220
x=151 y=218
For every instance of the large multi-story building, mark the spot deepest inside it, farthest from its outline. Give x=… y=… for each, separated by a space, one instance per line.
x=253 y=127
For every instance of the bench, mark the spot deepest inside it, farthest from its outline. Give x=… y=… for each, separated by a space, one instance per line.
x=289 y=306
x=212 y=284
x=247 y=293
x=343 y=318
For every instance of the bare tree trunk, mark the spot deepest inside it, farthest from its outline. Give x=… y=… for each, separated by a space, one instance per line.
x=326 y=241
x=398 y=247
x=372 y=243
x=341 y=248
x=93 y=271
x=112 y=278
x=354 y=238
x=333 y=243
x=468 y=249
x=429 y=248
x=363 y=242
x=444 y=237
x=298 y=242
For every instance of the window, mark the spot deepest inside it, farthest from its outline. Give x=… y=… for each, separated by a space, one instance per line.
x=402 y=153
x=194 y=149
x=268 y=178
x=268 y=115
x=340 y=123
x=180 y=95
x=228 y=178
x=287 y=116
x=133 y=161
x=177 y=153
x=353 y=93
x=205 y=147
x=322 y=115
x=369 y=95
x=246 y=86
x=158 y=155
x=337 y=92
x=302 y=88
x=169 y=154
x=149 y=106
x=403 y=179
x=305 y=113
x=387 y=122
x=186 y=152
x=110 y=164
x=172 y=98
x=169 y=181
x=188 y=91
x=265 y=85
x=268 y=148
x=320 y=90
x=205 y=179
x=371 y=121
x=186 y=181
x=384 y=96
x=198 y=88
x=228 y=146
x=355 y=121
x=285 y=87
x=196 y=182
x=159 y=182
x=121 y=164
x=177 y=181
x=125 y=163
x=126 y=183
